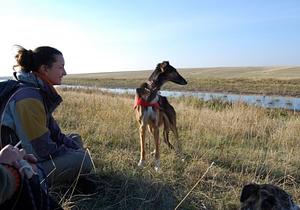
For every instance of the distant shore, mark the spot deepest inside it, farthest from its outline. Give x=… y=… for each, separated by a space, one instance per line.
x=279 y=81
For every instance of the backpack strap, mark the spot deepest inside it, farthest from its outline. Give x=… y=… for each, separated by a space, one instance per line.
x=7 y=89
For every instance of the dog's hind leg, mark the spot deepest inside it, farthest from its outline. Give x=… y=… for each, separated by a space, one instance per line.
x=178 y=146
x=142 y=144
x=157 y=154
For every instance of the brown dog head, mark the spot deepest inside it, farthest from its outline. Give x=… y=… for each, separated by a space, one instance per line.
x=265 y=197
x=164 y=72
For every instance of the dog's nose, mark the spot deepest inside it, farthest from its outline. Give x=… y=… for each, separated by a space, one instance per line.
x=183 y=82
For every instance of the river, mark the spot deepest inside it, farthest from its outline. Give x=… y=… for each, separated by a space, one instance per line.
x=285 y=102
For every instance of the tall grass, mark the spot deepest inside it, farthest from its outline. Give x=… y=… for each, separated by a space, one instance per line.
x=246 y=143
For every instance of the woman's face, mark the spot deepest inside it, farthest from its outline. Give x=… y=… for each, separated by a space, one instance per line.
x=56 y=72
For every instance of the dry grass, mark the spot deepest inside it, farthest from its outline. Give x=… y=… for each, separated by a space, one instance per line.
x=246 y=143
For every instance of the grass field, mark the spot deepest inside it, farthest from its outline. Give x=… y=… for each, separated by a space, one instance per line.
x=246 y=143
x=283 y=81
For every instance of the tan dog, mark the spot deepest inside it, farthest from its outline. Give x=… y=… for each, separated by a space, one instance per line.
x=153 y=110
x=266 y=197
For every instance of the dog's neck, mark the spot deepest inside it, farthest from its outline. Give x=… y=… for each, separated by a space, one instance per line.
x=153 y=89
x=154 y=83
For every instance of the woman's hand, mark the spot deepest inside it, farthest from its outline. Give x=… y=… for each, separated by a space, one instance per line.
x=11 y=155
x=31 y=159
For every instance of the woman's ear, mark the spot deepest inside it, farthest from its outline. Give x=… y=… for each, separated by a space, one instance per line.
x=43 y=70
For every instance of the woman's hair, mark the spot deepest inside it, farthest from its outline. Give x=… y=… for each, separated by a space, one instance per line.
x=29 y=60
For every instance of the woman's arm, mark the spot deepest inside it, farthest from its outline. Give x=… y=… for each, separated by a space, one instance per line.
x=31 y=118
x=59 y=137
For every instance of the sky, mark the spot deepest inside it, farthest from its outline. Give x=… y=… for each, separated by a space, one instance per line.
x=119 y=35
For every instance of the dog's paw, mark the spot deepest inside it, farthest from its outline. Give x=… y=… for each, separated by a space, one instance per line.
x=141 y=163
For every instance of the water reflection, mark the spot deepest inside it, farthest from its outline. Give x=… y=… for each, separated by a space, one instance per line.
x=290 y=103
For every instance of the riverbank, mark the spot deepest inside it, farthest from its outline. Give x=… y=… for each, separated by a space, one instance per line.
x=276 y=87
x=284 y=81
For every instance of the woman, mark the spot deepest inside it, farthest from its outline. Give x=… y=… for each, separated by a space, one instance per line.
x=29 y=114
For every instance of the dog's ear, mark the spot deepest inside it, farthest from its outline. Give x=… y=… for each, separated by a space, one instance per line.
x=166 y=63
x=163 y=65
x=248 y=190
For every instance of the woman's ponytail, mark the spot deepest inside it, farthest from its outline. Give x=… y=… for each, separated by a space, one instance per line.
x=25 y=59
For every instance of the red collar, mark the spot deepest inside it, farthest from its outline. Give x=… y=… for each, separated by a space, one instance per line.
x=143 y=103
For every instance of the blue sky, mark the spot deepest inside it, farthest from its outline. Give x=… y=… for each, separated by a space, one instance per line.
x=117 y=35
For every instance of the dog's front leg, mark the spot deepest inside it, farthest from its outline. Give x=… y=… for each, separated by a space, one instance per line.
x=142 y=142
x=157 y=155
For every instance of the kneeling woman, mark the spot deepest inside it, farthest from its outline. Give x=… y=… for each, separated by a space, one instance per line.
x=29 y=114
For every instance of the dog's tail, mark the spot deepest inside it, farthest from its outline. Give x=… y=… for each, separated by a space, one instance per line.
x=166 y=123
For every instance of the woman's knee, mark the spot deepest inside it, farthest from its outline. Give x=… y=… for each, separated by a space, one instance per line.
x=84 y=161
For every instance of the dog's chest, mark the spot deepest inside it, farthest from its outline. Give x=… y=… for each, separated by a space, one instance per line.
x=150 y=113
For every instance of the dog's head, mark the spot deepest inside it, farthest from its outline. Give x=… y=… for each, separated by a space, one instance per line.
x=265 y=197
x=164 y=72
